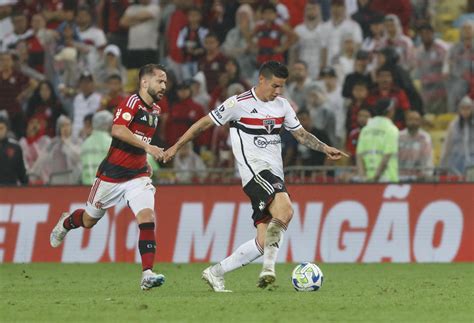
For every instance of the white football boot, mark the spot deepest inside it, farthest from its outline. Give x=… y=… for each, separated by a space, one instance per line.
x=151 y=280
x=216 y=282
x=59 y=232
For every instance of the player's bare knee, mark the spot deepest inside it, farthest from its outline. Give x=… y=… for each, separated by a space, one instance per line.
x=285 y=213
x=89 y=222
x=146 y=216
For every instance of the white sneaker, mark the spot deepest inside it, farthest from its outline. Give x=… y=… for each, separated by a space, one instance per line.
x=267 y=278
x=216 y=282
x=151 y=280
x=59 y=232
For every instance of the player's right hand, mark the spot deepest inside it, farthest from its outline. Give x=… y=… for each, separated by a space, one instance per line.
x=155 y=151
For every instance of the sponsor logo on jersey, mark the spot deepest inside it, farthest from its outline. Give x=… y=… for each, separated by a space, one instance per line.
x=217 y=113
x=262 y=142
x=269 y=124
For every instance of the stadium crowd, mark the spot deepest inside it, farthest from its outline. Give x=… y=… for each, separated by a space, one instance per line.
x=65 y=65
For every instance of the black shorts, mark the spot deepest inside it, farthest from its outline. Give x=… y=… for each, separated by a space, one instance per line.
x=261 y=190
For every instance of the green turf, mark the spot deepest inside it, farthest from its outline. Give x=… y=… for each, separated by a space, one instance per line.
x=110 y=293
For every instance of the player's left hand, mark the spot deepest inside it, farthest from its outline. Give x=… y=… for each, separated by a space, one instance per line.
x=334 y=153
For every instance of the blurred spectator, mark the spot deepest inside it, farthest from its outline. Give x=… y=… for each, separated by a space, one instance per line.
x=86 y=129
x=309 y=45
x=236 y=44
x=188 y=165
x=45 y=106
x=300 y=155
x=13 y=170
x=183 y=114
x=142 y=20
x=213 y=62
x=176 y=22
x=364 y=16
x=400 y=8
x=232 y=69
x=431 y=68
x=190 y=41
x=299 y=83
x=108 y=19
x=377 y=39
x=362 y=118
x=47 y=40
x=360 y=74
x=336 y=103
x=61 y=163
x=199 y=90
x=360 y=93
x=114 y=94
x=385 y=88
x=344 y=62
x=388 y=58
x=220 y=16
x=377 y=148
x=34 y=146
x=87 y=101
x=273 y=38
x=397 y=39
x=20 y=31
x=332 y=31
x=6 y=25
x=96 y=146
x=322 y=115
x=92 y=36
x=22 y=61
x=111 y=64
x=57 y=11
x=458 y=150
x=415 y=154
x=461 y=68
x=15 y=88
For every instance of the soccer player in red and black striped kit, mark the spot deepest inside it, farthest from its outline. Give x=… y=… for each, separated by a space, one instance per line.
x=124 y=173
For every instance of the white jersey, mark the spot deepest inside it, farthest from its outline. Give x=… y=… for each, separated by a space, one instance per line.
x=255 y=131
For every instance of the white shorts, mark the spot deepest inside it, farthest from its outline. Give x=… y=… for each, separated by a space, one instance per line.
x=139 y=193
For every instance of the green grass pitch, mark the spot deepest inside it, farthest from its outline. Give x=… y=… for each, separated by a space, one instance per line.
x=356 y=292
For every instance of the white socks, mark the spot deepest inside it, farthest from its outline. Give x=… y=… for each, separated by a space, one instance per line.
x=273 y=241
x=243 y=255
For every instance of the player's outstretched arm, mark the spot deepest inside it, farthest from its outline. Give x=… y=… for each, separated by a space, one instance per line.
x=123 y=133
x=199 y=126
x=310 y=141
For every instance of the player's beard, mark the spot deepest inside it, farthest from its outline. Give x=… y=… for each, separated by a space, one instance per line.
x=154 y=95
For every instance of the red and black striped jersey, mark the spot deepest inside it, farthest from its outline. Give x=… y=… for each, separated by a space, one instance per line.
x=124 y=161
x=269 y=38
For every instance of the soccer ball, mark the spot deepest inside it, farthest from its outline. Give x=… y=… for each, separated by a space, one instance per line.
x=307 y=277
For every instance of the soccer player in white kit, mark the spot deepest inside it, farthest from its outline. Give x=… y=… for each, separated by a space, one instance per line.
x=256 y=118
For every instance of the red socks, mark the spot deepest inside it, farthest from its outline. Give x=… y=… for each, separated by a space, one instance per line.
x=74 y=221
x=147 y=244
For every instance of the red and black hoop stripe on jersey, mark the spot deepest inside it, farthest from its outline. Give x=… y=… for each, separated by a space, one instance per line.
x=259 y=121
x=253 y=131
x=116 y=173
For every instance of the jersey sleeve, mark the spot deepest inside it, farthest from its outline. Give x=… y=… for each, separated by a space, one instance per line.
x=227 y=111
x=126 y=111
x=291 y=122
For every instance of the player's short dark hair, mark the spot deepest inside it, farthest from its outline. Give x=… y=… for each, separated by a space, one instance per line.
x=273 y=68
x=148 y=69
